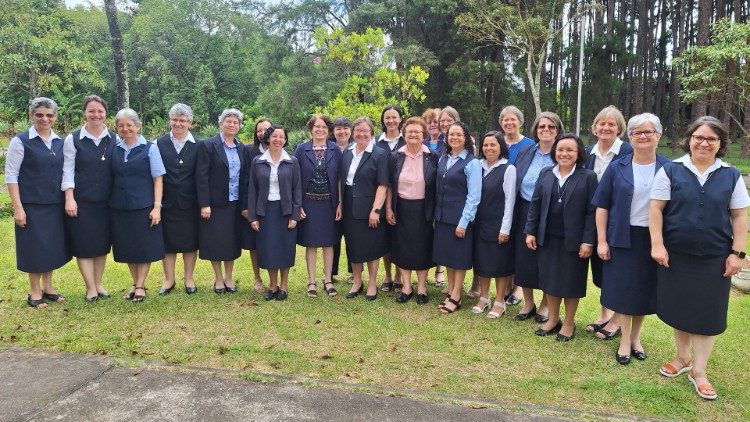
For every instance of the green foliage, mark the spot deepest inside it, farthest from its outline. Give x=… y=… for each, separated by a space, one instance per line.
x=155 y=128
x=208 y=130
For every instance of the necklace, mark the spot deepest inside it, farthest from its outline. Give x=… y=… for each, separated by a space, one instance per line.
x=647 y=176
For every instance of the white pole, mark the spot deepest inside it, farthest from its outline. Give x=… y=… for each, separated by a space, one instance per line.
x=581 y=39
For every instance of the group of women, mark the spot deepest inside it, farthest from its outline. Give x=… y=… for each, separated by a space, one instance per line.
x=530 y=213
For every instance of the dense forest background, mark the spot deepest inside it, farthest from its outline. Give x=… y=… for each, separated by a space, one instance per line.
x=285 y=60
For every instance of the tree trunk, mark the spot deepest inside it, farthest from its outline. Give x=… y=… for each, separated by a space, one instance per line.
x=745 y=147
x=121 y=71
x=700 y=106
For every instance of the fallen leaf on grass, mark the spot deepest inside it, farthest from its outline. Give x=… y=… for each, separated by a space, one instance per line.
x=222 y=350
x=325 y=356
x=317 y=322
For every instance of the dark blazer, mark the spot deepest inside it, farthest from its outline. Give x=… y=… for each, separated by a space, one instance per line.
x=578 y=212
x=179 y=182
x=396 y=163
x=290 y=188
x=212 y=174
x=384 y=145
x=523 y=162
x=625 y=149
x=615 y=194
x=371 y=172
x=305 y=157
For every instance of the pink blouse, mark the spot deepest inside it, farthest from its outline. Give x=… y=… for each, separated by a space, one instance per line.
x=411 y=180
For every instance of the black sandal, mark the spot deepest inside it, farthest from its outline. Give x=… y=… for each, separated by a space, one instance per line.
x=594 y=328
x=386 y=287
x=36 y=303
x=397 y=287
x=608 y=335
x=312 y=292
x=139 y=298
x=129 y=295
x=330 y=291
x=53 y=297
x=444 y=309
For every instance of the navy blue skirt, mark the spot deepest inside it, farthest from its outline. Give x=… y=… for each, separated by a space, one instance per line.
x=248 y=236
x=629 y=277
x=180 y=229
x=89 y=232
x=451 y=251
x=219 y=236
x=276 y=242
x=363 y=243
x=561 y=272
x=527 y=264
x=411 y=244
x=41 y=246
x=319 y=228
x=493 y=259
x=134 y=241
x=692 y=295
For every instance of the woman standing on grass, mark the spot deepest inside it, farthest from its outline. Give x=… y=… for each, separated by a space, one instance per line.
x=608 y=126
x=342 y=134
x=698 y=226
x=180 y=213
x=33 y=175
x=529 y=165
x=135 y=204
x=319 y=160
x=364 y=182
x=274 y=208
x=221 y=170
x=622 y=200
x=249 y=236
x=493 y=253
x=87 y=182
x=561 y=227
x=410 y=206
x=459 y=190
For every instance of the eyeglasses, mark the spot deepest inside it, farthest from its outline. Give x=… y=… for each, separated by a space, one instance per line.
x=47 y=115
x=414 y=132
x=320 y=127
x=646 y=133
x=548 y=127
x=711 y=140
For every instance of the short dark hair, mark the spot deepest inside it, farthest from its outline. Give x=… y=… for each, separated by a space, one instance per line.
x=504 y=151
x=400 y=112
x=257 y=141
x=581 y=160
x=715 y=125
x=468 y=140
x=342 y=121
x=267 y=134
x=553 y=117
x=323 y=117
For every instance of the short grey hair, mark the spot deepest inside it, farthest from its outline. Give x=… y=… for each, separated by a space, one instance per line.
x=364 y=120
x=180 y=109
x=230 y=112
x=641 y=119
x=511 y=109
x=128 y=113
x=45 y=102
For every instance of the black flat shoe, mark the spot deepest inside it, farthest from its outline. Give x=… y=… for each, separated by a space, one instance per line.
x=622 y=360
x=403 y=297
x=103 y=295
x=36 y=303
x=422 y=299
x=541 y=332
x=638 y=354
x=191 y=290
x=217 y=290
x=168 y=290
x=230 y=289
x=281 y=295
x=561 y=337
x=352 y=295
x=540 y=319
x=608 y=335
x=523 y=316
x=371 y=298
x=270 y=294
x=92 y=299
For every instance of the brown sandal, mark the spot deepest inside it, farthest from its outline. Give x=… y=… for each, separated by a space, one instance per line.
x=670 y=370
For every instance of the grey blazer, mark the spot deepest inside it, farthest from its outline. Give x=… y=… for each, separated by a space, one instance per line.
x=290 y=188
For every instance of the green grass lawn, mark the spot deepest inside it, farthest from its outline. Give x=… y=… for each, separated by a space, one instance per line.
x=381 y=344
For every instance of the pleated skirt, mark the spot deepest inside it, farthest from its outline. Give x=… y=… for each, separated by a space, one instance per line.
x=180 y=229
x=629 y=277
x=89 y=232
x=561 y=272
x=319 y=228
x=276 y=242
x=411 y=243
x=692 y=295
x=41 y=245
x=134 y=241
x=451 y=251
x=526 y=261
x=219 y=236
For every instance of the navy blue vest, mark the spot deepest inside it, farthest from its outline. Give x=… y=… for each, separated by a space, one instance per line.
x=179 y=181
x=555 y=217
x=133 y=186
x=696 y=219
x=93 y=176
x=490 y=211
x=40 y=176
x=452 y=188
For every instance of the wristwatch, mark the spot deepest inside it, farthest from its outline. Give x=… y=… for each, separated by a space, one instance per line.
x=740 y=254
x=377 y=210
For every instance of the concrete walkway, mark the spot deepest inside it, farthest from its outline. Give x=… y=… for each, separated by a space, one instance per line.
x=40 y=385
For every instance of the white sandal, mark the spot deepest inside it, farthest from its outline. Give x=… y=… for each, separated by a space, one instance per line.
x=477 y=309
x=495 y=315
